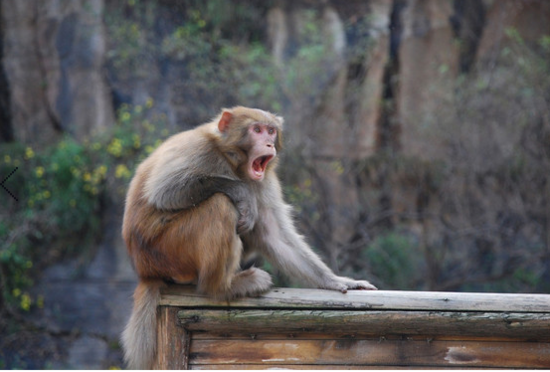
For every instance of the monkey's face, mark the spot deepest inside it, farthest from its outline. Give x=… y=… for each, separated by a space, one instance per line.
x=262 y=138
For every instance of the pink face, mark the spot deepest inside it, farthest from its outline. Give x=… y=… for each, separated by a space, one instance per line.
x=263 y=150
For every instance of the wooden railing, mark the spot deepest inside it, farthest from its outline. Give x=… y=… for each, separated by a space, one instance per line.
x=318 y=329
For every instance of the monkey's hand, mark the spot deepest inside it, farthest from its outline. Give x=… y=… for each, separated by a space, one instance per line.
x=245 y=223
x=239 y=193
x=248 y=213
x=342 y=284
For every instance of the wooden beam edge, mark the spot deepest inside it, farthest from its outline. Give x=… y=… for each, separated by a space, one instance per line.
x=298 y=298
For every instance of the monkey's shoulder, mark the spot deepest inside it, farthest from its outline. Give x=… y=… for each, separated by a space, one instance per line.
x=184 y=149
x=182 y=158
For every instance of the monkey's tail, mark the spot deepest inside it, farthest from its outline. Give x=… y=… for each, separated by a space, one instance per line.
x=139 y=339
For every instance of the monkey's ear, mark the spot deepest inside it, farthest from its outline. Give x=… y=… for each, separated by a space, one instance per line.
x=223 y=124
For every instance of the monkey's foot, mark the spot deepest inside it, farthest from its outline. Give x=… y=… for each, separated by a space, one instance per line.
x=250 y=282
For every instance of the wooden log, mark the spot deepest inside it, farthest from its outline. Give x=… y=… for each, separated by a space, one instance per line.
x=298 y=298
x=480 y=324
x=240 y=335
x=172 y=341
x=371 y=353
x=313 y=366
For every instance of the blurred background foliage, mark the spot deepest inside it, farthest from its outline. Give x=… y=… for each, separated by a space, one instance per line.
x=59 y=192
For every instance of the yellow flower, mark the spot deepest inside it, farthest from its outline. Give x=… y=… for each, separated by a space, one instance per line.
x=338 y=167
x=137 y=141
x=76 y=172
x=29 y=154
x=125 y=116
x=122 y=171
x=26 y=302
x=39 y=171
x=115 y=147
x=102 y=170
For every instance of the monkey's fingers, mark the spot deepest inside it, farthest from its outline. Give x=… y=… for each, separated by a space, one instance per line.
x=361 y=284
x=245 y=223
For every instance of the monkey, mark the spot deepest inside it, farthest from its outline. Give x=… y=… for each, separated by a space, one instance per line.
x=201 y=202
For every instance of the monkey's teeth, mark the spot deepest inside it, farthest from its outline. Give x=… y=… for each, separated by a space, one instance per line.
x=259 y=164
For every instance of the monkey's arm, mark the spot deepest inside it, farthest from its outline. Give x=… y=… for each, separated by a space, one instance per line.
x=277 y=238
x=193 y=192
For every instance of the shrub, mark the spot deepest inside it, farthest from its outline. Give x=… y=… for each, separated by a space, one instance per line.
x=60 y=192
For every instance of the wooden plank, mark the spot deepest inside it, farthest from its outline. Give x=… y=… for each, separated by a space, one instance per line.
x=311 y=367
x=372 y=353
x=202 y=335
x=434 y=323
x=172 y=341
x=298 y=298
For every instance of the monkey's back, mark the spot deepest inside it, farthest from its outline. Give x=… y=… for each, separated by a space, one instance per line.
x=166 y=243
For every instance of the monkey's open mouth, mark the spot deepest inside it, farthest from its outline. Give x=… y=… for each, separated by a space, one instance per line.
x=259 y=164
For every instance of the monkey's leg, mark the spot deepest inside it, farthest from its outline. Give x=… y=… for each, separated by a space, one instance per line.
x=221 y=278
x=250 y=282
x=220 y=255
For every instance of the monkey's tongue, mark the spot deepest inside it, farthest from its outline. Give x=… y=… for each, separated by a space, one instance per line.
x=259 y=165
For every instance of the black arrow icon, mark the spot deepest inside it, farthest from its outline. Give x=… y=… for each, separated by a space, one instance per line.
x=4 y=187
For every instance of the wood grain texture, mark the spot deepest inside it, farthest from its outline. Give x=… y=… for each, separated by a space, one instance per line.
x=296 y=298
x=480 y=324
x=317 y=329
x=371 y=353
x=312 y=366
x=173 y=341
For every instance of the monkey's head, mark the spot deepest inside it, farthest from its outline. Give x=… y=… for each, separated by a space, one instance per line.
x=257 y=136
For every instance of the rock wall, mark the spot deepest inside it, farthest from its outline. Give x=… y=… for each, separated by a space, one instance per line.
x=53 y=59
x=6 y=132
x=428 y=65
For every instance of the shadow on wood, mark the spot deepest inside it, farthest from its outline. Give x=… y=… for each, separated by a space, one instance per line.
x=318 y=329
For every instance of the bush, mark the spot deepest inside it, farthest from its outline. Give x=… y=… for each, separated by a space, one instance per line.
x=60 y=192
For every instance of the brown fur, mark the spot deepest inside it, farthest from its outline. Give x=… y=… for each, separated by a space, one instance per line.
x=172 y=238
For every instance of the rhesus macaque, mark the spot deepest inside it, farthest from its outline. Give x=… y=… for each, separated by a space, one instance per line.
x=201 y=202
